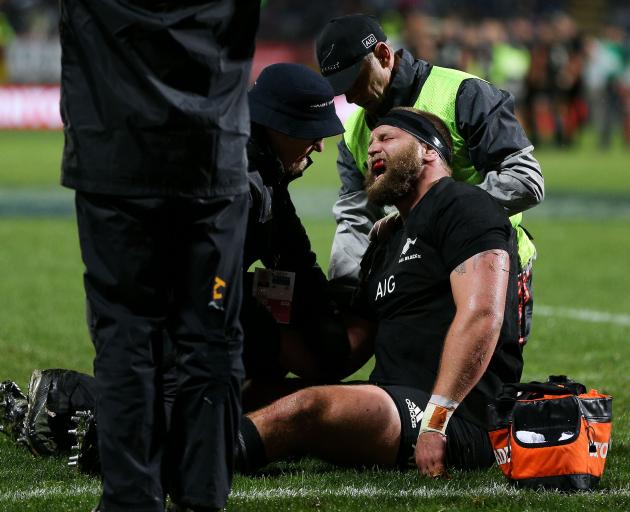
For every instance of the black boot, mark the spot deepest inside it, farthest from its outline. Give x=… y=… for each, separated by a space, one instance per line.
x=84 y=450
x=13 y=408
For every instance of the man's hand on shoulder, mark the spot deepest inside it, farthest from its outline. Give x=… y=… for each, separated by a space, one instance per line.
x=431 y=454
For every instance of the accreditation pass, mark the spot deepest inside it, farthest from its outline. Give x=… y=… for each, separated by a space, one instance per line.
x=274 y=290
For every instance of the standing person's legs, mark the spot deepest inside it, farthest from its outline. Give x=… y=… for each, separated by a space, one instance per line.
x=124 y=247
x=208 y=340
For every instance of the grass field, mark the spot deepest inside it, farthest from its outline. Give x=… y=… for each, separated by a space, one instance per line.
x=581 y=328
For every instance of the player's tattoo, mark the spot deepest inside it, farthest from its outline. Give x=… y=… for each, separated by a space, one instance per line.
x=461 y=268
x=500 y=261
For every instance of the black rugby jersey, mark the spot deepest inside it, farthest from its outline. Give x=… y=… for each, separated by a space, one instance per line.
x=406 y=287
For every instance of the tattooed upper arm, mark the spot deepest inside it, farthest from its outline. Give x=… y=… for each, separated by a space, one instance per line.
x=495 y=260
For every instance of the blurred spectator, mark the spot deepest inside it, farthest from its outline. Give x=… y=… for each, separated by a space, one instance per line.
x=32 y=53
x=35 y=19
x=607 y=82
x=6 y=36
x=509 y=60
x=567 y=61
x=449 y=42
x=553 y=98
x=419 y=35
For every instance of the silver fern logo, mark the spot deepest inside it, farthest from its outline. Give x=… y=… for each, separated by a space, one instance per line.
x=403 y=254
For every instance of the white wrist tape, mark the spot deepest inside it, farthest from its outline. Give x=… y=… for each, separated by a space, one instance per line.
x=444 y=402
x=437 y=414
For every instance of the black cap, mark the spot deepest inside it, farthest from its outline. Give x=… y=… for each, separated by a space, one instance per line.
x=294 y=100
x=341 y=46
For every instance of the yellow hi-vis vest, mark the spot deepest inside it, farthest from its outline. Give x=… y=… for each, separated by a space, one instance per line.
x=438 y=96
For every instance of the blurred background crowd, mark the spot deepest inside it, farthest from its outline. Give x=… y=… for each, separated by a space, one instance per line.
x=567 y=62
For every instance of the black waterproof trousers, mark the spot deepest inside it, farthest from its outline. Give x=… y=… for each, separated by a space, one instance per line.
x=156 y=265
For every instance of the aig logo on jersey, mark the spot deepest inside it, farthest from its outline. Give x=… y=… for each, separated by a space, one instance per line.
x=409 y=245
x=385 y=287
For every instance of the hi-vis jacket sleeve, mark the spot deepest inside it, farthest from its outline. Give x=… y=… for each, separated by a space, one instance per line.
x=498 y=146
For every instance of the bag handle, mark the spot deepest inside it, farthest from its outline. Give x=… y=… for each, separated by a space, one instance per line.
x=556 y=385
x=501 y=412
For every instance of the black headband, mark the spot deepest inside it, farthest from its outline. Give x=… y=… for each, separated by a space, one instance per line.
x=418 y=126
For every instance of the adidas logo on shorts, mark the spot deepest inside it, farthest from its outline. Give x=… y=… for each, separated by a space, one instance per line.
x=415 y=412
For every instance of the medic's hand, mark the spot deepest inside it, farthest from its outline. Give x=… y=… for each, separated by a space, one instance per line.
x=383 y=228
x=431 y=454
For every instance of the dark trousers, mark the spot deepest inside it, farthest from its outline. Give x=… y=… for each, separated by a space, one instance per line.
x=156 y=265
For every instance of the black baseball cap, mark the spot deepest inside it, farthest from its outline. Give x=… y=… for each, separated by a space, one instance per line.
x=294 y=100
x=341 y=46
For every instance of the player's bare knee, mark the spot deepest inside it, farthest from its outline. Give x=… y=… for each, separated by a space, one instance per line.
x=308 y=406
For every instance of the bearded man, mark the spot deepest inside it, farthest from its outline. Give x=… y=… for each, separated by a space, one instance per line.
x=436 y=304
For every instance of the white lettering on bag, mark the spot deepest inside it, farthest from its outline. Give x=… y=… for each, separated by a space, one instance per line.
x=502 y=455
x=601 y=450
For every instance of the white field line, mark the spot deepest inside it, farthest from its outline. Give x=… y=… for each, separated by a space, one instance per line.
x=585 y=315
x=486 y=491
x=51 y=491
x=297 y=492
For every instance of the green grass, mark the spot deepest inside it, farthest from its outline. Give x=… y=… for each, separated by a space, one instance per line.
x=582 y=266
x=30 y=158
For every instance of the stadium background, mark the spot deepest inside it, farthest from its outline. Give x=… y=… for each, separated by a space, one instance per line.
x=567 y=63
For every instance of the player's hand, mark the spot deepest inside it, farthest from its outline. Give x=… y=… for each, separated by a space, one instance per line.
x=431 y=454
x=383 y=228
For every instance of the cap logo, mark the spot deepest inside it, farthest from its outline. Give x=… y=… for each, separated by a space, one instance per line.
x=369 y=41
x=331 y=68
x=328 y=54
x=321 y=105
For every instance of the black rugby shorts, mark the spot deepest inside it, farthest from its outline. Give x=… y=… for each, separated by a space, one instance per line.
x=467 y=445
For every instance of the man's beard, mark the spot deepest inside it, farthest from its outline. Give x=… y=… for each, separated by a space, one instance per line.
x=296 y=169
x=401 y=175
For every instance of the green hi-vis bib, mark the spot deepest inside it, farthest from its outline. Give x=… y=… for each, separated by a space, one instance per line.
x=438 y=96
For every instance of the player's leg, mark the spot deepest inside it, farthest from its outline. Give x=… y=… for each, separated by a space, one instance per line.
x=355 y=425
x=208 y=340
x=121 y=245
x=343 y=424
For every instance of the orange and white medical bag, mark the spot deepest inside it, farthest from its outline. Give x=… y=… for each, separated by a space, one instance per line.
x=553 y=435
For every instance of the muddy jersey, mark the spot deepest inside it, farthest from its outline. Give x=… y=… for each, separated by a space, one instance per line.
x=406 y=287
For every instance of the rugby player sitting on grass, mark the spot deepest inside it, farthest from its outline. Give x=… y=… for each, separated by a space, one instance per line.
x=437 y=301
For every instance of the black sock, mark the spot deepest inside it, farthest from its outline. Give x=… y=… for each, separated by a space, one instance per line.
x=250 y=450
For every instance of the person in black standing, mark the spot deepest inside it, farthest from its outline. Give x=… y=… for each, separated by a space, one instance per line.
x=292 y=111
x=154 y=104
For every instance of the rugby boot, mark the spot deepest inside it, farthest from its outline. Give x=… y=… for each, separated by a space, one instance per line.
x=13 y=408
x=84 y=450
x=39 y=437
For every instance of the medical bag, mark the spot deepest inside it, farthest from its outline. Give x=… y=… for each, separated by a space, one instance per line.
x=552 y=435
